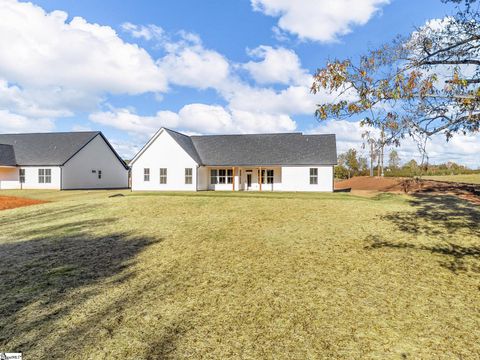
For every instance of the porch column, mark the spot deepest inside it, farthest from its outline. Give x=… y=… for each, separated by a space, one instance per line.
x=233 y=178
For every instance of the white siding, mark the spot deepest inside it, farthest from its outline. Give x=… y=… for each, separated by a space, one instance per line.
x=96 y=155
x=164 y=152
x=297 y=178
x=9 y=178
x=203 y=174
x=31 y=178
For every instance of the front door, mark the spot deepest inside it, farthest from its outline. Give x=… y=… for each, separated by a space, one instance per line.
x=249 y=181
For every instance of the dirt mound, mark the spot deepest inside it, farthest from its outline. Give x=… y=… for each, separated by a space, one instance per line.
x=370 y=183
x=11 y=202
x=468 y=192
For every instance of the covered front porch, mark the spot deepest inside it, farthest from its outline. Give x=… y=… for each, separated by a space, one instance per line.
x=240 y=178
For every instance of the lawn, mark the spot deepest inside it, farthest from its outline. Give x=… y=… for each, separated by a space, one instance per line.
x=235 y=275
x=466 y=178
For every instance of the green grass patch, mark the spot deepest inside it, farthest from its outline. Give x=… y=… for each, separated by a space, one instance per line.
x=467 y=178
x=235 y=275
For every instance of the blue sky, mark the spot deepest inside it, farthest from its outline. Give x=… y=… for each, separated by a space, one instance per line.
x=215 y=66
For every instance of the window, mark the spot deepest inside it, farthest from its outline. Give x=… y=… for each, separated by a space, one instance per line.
x=213 y=176
x=221 y=176
x=188 y=175
x=313 y=176
x=146 y=174
x=44 y=176
x=99 y=174
x=267 y=176
x=163 y=175
x=21 y=174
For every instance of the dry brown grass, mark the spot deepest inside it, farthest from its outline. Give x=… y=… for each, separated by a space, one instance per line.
x=220 y=275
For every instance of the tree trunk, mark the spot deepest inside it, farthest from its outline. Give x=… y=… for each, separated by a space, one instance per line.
x=382 y=150
x=371 y=159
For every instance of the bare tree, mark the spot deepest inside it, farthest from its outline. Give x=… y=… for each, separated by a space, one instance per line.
x=393 y=160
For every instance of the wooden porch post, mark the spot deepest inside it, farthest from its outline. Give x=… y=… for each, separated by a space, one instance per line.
x=233 y=178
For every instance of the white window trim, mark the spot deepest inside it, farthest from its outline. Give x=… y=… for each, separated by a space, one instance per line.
x=227 y=178
x=188 y=176
x=314 y=176
x=163 y=176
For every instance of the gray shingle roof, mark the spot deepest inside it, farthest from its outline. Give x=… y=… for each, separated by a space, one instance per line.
x=49 y=149
x=186 y=143
x=7 y=155
x=259 y=149
x=266 y=149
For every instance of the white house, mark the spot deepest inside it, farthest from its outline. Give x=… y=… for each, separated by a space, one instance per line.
x=263 y=162
x=69 y=160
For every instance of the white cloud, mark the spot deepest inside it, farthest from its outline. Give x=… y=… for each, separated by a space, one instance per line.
x=51 y=67
x=126 y=149
x=196 y=118
x=194 y=66
x=14 y=123
x=81 y=128
x=319 y=20
x=292 y=100
x=463 y=149
x=43 y=50
x=127 y=120
x=147 y=32
x=278 y=65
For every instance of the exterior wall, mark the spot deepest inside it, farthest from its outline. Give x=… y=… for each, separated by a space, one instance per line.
x=9 y=178
x=277 y=179
x=221 y=187
x=297 y=178
x=164 y=152
x=289 y=178
x=203 y=176
x=240 y=179
x=96 y=155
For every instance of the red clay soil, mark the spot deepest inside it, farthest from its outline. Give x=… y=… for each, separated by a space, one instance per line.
x=11 y=202
x=468 y=192
x=370 y=183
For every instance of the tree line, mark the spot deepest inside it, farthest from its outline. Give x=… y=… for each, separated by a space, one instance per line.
x=351 y=163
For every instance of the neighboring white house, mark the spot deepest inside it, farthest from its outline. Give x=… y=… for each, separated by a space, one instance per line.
x=69 y=160
x=263 y=162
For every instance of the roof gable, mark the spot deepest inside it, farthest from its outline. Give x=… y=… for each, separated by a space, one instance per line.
x=182 y=140
x=49 y=149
